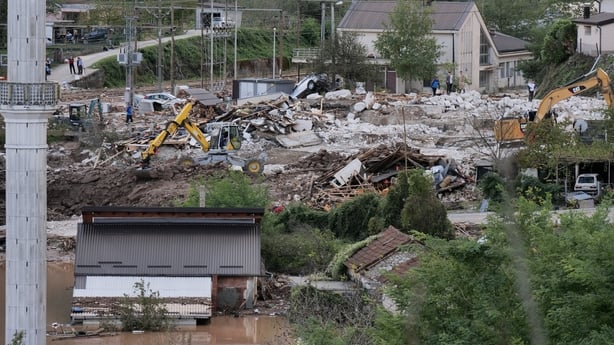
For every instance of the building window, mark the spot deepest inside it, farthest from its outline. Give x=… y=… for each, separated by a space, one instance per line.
x=485 y=79
x=506 y=70
x=587 y=30
x=484 y=50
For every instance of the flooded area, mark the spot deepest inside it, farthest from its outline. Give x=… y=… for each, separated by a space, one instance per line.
x=253 y=329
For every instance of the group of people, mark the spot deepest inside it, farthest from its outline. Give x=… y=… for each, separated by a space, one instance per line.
x=71 y=65
x=462 y=81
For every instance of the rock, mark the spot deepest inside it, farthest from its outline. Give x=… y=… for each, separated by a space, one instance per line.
x=360 y=106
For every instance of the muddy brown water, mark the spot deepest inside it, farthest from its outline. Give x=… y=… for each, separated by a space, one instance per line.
x=253 y=329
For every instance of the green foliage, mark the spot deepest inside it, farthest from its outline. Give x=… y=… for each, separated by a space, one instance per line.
x=18 y=338
x=462 y=293
x=533 y=189
x=492 y=186
x=310 y=32
x=145 y=312
x=392 y=204
x=325 y=317
x=336 y=268
x=296 y=216
x=408 y=43
x=560 y=42
x=300 y=252
x=229 y=189
x=349 y=59
x=422 y=210
x=350 y=220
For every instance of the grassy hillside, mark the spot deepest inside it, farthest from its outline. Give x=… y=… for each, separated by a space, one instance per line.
x=253 y=45
x=555 y=76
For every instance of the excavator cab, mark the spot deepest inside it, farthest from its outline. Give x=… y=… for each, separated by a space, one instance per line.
x=76 y=113
x=225 y=136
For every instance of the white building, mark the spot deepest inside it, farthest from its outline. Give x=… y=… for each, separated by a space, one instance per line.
x=488 y=61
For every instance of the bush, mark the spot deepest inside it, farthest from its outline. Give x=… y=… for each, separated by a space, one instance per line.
x=145 y=312
x=301 y=252
x=230 y=189
x=351 y=219
x=422 y=210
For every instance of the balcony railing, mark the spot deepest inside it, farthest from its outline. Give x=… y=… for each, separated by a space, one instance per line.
x=31 y=94
x=305 y=54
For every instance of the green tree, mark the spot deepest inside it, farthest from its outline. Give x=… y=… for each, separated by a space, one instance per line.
x=351 y=59
x=408 y=43
x=422 y=210
x=560 y=42
x=108 y=13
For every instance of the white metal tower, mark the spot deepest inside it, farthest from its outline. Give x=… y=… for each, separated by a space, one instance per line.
x=26 y=102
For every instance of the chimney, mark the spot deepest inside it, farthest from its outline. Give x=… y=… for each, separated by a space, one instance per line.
x=587 y=11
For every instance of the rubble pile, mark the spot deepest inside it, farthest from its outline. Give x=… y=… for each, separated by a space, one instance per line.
x=320 y=150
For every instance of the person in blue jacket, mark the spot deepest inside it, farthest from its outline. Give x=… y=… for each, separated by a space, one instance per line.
x=435 y=86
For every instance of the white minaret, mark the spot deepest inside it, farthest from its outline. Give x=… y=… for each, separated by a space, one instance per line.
x=26 y=102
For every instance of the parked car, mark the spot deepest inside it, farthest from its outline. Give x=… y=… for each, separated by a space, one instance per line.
x=95 y=35
x=161 y=96
x=166 y=99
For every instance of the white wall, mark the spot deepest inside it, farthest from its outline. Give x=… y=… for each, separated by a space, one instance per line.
x=607 y=6
x=590 y=37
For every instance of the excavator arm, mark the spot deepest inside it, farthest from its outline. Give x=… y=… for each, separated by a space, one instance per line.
x=181 y=120
x=600 y=79
x=510 y=129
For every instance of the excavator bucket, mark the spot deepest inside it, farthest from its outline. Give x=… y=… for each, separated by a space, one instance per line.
x=143 y=173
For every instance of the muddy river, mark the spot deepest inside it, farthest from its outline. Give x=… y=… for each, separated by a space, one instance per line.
x=261 y=330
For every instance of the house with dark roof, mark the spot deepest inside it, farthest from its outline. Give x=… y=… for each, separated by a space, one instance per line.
x=596 y=29
x=464 y=39
x=370 y=265
x=198 y=259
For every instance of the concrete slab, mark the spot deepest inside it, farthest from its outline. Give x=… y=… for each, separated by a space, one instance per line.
x=297 y=139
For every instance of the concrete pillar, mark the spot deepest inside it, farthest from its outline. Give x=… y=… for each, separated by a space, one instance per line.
x=26 y=102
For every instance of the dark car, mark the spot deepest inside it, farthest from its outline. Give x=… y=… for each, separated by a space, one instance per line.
x=95 y=35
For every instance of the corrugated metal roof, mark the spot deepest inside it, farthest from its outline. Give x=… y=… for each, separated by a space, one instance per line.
x=184 y=287
x=167 y=249
x=90 y=213
x=386 y=243
x=374 y=15
x=506 y=43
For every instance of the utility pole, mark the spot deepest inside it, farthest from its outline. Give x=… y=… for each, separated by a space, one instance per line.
x=172 y=67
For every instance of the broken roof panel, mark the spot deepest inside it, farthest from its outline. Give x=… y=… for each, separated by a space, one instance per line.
x=387 y=242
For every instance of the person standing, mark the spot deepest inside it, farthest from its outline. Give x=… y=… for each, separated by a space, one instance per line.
x=71 y=65
x=531 y=87
x=47 y=68
x=435 y=85
x=449 y=81
x=79 y=65
x=462 y=80
x=129 y=114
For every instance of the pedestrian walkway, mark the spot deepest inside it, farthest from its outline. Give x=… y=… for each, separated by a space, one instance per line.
x=61 y=73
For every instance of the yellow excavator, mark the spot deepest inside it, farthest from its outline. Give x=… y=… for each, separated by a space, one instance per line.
x=512 y=128
x=225 y=138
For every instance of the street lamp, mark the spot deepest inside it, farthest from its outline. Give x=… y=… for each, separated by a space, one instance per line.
x=274 y=51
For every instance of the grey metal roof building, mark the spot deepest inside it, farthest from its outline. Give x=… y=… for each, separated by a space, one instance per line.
x=196 y=258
